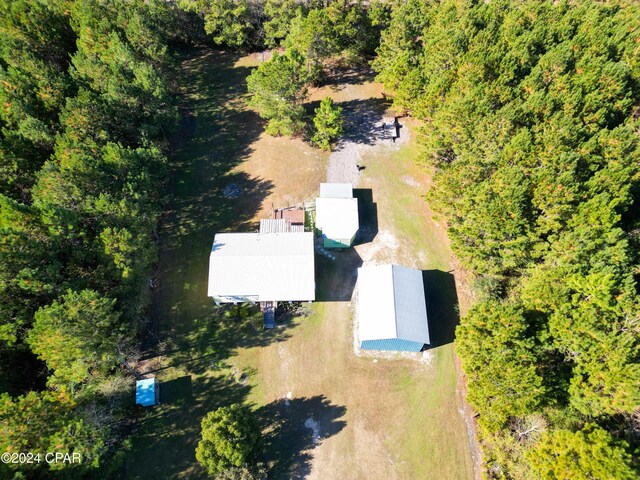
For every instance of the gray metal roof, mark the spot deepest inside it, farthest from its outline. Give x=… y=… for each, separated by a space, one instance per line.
x=270 y=266
x=410 y=304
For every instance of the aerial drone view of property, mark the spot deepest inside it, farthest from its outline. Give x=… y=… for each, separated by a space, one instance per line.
x=324 y=240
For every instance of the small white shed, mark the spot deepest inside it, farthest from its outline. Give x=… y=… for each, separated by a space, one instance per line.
x=337 y=215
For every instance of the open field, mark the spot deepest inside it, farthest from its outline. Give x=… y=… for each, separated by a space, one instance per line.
x=373 y=419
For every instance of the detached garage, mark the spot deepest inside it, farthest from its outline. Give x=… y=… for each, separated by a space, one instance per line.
x=391 y=309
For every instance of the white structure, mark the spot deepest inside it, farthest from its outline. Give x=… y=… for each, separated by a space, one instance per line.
x=336 y=190
x=391 y=309
x=337 y=214
x=262 y=267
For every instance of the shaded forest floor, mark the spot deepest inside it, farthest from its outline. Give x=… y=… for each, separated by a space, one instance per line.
x=328 y=413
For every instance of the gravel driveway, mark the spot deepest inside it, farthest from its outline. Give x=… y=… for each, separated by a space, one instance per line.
x=364 y=134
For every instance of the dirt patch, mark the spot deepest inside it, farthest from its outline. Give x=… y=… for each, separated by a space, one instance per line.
x=293 y=168
x=343 y=165
x=285 y=360
x=382 y=250
x=412 y=182
x=314 y=426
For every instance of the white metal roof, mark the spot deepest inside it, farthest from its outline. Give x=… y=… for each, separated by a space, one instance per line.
x=336 y=190
x=271 y=266
x=391 y=304
x=337 y=217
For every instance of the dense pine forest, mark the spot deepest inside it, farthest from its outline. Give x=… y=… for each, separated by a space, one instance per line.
x=86 y=108
x=531 y=122
x=530 y=125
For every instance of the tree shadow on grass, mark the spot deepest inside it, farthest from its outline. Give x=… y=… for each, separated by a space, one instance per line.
x=172 y=429
x=217 y=134
x=362 y=120
x=216 y=337
x=206 y=195
x=201 y=203
x=442 y=306
x=293 y=428
x=219 y=338
x=340 y=76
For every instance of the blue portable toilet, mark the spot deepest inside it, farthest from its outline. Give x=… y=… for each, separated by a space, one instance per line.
x=147 y=392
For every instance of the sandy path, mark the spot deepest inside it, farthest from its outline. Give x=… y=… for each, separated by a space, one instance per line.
x=342 y=167
x=364 y=136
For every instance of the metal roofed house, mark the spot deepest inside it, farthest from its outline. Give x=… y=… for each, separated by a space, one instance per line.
x=147 y=392
x=337 y=214
x=262 y=267
x=391 y=309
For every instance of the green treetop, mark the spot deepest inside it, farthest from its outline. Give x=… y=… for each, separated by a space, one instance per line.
x=588 y=454
x=77 y=336
x=328 y=123
x=278 y=88
x=231 y=439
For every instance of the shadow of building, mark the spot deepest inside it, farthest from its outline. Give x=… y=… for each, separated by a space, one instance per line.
x=442 y=306
x=367 y=216
x=336 y=279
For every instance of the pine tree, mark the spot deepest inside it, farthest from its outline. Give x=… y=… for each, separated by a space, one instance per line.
x=584 y=455
x=278 y=88
x=231 y=439
x=328 y=123
x=77 y=336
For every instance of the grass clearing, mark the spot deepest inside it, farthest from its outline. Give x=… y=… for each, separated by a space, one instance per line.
x=386 y=419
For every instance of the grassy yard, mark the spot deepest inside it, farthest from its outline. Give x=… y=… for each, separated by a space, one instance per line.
x=376 y=419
